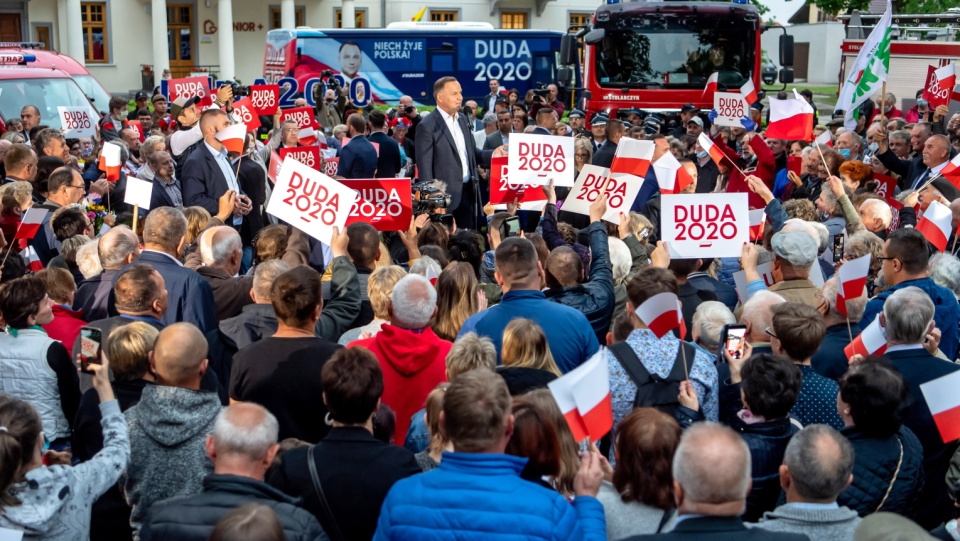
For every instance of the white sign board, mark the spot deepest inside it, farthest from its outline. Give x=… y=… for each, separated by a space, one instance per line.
x=310 y=201
x=138 y=192
x=536 y=159
x=705 y=225
x=76 y=122
x=621 y=190
x=730 y=108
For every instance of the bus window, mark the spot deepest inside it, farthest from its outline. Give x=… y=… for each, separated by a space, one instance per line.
x=543 y=68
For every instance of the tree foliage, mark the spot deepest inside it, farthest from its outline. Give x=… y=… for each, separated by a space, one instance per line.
x=840 y=7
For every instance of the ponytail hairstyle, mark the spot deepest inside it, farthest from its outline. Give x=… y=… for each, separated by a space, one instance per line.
x=19 y=429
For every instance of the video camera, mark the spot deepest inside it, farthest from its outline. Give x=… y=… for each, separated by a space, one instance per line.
x=540 y=92
x=428 y=196
x=240 y=90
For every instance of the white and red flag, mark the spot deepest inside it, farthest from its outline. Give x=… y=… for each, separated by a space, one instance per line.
x=661 y=314
x=671 y=176
x=432 y=276
x=633 y=156
x=712 y=82
x=852 y=280
x=110 y=161
x=944 y=403
x=936 y=224
x=951 y=171
x=30 y=223
x=757 y=218
x=790 y=119
x=707 y=144
x=872 y=341
x=31 y=258
x=233 y=137
x=825 y=139
x=583 y=395
x=749 y=92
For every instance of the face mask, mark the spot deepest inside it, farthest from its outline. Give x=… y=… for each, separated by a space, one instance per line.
x=86 y=152
x=874 y=147
x=845 y=152
x=702 y=154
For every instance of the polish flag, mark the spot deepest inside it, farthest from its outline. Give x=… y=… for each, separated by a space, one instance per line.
x=936 y=224
x=951 y=171
x=632 y=156
x=853 y=280
x=432 y=276
x=110 y=161
x=307 y=136
x=233 y=137
x=825 y=139
x=749 y=92
x=661 y=314
x=671 y=175
x=944 y=403
x=790 y=119
x=275 y=162
x=757 y=218
x=871 y=341
x=30 y=223
x=583 y=395
x=715 y=153
x=30 y=257
x=712 y=82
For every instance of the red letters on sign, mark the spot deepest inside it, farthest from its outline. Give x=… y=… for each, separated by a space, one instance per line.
x=616 y=190
x=383 y=203
x=244 y=111
x=304 y=193
x=502 y=191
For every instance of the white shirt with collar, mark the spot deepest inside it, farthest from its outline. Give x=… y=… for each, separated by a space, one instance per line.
x=458 y=138
x=165 y=254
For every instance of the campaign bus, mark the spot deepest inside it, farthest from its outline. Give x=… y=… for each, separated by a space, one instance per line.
x=407 y=58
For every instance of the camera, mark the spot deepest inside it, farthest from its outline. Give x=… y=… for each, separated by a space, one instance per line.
x=240 y=90
x=428 y=196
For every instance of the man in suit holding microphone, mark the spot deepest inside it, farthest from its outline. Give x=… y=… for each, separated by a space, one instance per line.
x=446 y=151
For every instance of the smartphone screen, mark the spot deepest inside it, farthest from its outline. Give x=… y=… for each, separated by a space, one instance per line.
x=90 y=342
x=511 y=227
x=735 y=340
x=838 y=241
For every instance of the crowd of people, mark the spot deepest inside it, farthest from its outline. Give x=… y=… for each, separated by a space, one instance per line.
x=253 y=383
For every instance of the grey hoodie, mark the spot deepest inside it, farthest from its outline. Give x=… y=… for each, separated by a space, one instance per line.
x=168 y=431
x=56 y=500
x=822 y=524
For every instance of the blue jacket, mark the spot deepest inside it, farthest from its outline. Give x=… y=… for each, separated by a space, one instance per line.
x=189 y=299
x=358 y=159
x=830 y=361
x=875 y=461
x=946 y=312
x=479 y=497
x=571 y=338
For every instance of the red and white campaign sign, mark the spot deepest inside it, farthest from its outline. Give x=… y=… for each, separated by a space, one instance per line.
x=705 y=225
x=536 y=159
x=331 y=166
x=939 y=86
x=245 y=112
x=265 y=99
x=384 y=203
x=274 y=169
x=621 y=190
x=136 y=126
x=502 y=191
x=310 y=201
x=306 y=123
x=309 y=156
x=731 y=107
x=76 y=122
x=190 y=87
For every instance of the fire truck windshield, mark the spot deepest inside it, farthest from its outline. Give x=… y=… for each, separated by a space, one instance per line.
x=655 y=51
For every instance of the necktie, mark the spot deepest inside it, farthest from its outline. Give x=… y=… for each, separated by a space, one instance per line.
x=923 y=178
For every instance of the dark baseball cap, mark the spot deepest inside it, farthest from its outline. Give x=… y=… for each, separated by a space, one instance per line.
x=689 y=108
x=182 y=103
x=141 y=96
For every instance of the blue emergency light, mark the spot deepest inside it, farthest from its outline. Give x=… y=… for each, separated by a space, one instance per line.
x=16 y=58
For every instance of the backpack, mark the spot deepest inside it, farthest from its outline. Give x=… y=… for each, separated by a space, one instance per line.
x=652 y=390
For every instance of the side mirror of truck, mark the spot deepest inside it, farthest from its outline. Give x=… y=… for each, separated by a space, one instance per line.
x=564 y=77
x=595 y=36
x=786 y=50
x=568 y=49
x=786 y=75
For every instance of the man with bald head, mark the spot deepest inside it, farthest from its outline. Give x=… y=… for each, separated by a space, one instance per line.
x=210 y=173
x=169 y=427
x=221 y=251
x=242 y=447
x=913 y=173
x=117 y=247
x=711 y=479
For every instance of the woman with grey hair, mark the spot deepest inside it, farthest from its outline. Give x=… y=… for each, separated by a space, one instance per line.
x=708 y=322
x=860 y=244
x=945 y=271
x=829 y=206
x=88 y=260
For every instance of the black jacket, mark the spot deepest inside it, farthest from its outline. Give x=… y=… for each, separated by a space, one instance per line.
x=230 y=293
x=718 y=529
x=93 y=295
x=521 y=380
x=252 y=180
x=875 y=461
x=603 y=156
x=159 y=196
x=388 y=161
x=356 y=471
x=193 y=518
x=830 y=361
x=358 y=159
x=202 y=181
x=724 y=293
x=690 y=298
x=908 y=170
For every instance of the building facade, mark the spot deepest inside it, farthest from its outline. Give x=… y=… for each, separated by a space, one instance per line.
x=117 y=38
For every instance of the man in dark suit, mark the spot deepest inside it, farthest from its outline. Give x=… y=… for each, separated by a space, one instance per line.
x=221 y=252
x=711 y=479
x=116 y=248
x=907 y=318
x=488 y=102
x=66 y=188
x=910 y=171
x=166 y=189
x=603 y=157
x=546 y=121
x=190 y=298
x=500 y=137
x=209 y=173
x=703 y=281
x=358 y=158
x=388 y=160
x=446 y=151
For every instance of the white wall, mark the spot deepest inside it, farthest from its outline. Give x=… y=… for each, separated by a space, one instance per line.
x=825 y=40
x=130 y=28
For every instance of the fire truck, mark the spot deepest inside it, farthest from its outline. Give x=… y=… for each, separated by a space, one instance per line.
x=918 y=41
x=657 y=56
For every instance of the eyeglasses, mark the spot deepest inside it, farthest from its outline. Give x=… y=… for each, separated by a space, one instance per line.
x=582 y=155
x=80 y=187
x=769 y=332
x=882 y=259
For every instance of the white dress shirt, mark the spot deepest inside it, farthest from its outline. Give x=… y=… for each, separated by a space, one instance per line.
x=458 y=138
